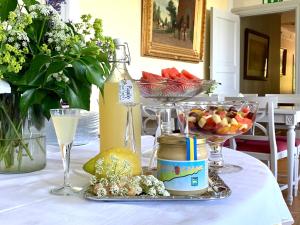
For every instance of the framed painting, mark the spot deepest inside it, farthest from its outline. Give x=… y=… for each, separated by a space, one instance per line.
x=283 y=56
x=256 y=55
x=173 y=29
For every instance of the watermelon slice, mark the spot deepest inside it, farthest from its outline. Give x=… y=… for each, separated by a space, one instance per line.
x=151 y=77
x=165 y=73
x=151 y=83
x=189 y=76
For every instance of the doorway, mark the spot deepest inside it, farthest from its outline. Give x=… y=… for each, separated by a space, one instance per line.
x=276 y=82
x=276 y=72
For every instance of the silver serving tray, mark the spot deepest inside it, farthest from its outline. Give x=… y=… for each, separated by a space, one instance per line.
x=217 y=190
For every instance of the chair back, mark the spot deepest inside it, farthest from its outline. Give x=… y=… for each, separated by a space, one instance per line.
x=286 y=98
x=205 y=98
x=247 y=95
x=264 y=126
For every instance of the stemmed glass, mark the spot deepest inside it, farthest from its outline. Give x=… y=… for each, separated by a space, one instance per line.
x=65 y=123
x=217 y=122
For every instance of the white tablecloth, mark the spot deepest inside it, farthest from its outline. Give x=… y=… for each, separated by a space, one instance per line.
x=25 y=199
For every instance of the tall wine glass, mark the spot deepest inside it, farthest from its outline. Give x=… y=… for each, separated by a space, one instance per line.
x=218 y=122
x=65 y=123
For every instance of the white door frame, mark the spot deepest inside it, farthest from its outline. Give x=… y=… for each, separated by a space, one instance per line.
x=278 y=8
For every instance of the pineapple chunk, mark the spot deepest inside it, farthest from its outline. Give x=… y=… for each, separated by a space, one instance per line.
x=216 y=118
x=224 y=122
x=192 y=119
x=202 y=122
x=234 y=122
x=244 y=126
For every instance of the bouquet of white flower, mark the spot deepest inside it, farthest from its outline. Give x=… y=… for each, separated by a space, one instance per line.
x=45 y=61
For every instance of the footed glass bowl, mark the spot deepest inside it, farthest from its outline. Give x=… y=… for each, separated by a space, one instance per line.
x=171 y=91
x=217 y=121
x=165 y=93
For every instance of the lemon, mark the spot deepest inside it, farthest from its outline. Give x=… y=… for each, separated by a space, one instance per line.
x=121 y=154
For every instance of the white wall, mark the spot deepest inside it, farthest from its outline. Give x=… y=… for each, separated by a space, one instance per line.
x=243 y=3
x=122 y=19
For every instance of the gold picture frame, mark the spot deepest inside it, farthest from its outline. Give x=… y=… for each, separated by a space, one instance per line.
x=176 y=33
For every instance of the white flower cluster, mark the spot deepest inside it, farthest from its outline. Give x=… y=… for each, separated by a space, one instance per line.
x=59 y=77
x=120 y=183
x=18 y=38
x=59 y=33
x=43 y=10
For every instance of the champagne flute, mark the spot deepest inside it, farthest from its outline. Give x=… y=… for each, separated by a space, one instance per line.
x=65 y=123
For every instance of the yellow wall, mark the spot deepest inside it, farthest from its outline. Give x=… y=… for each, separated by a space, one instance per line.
x=286 y=81
x=122 y=19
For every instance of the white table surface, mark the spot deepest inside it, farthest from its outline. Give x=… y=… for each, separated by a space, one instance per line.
x=25 y=199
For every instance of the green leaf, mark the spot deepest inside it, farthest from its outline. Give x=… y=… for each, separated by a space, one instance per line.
x=51 y=101
x=6 y=6
x=33 y=36
x=79 y=71
x=96 y=72
x=55 y=67
x=78 y=96
x=35 y=74
x=37 y=116
x=38 y=28
x=30 y=2
x=31 y=97
x=90 y=50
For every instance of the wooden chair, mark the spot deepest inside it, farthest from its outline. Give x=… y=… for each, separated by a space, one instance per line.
x=262 y=142
x=291 y=100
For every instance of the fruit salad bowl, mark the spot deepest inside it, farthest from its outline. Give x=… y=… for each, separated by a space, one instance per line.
x=217 y=121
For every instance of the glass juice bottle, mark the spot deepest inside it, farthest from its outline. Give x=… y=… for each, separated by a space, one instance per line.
x=113 y=113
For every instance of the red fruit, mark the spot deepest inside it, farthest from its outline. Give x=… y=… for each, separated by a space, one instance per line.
x=189 y=76
x=165 y=73
x=250 y=115
x=151 y=77
x=222 y=114
x=245 y=110
x=248 y=122
x=210 y=124
x=238 y=118
x=242 y=120
x=174 y=71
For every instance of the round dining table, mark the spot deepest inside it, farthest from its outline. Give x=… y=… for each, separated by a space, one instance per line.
x=25 y=199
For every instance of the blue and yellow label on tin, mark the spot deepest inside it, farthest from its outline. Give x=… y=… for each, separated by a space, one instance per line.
x=183 y=175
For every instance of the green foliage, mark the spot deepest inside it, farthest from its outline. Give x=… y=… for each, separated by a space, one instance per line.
x=6 y=6
x=46 y=60
x=171 y=8
x=30 y=2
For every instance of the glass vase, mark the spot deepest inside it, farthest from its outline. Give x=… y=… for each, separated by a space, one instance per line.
x=22 y=140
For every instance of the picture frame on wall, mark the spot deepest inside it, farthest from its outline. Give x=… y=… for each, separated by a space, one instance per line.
x=270 y=1
x=256 y=55
x=173 y=29
x=283 y=57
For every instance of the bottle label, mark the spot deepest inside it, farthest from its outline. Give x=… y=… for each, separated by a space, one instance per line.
x=126 y=92
x=183 y=175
